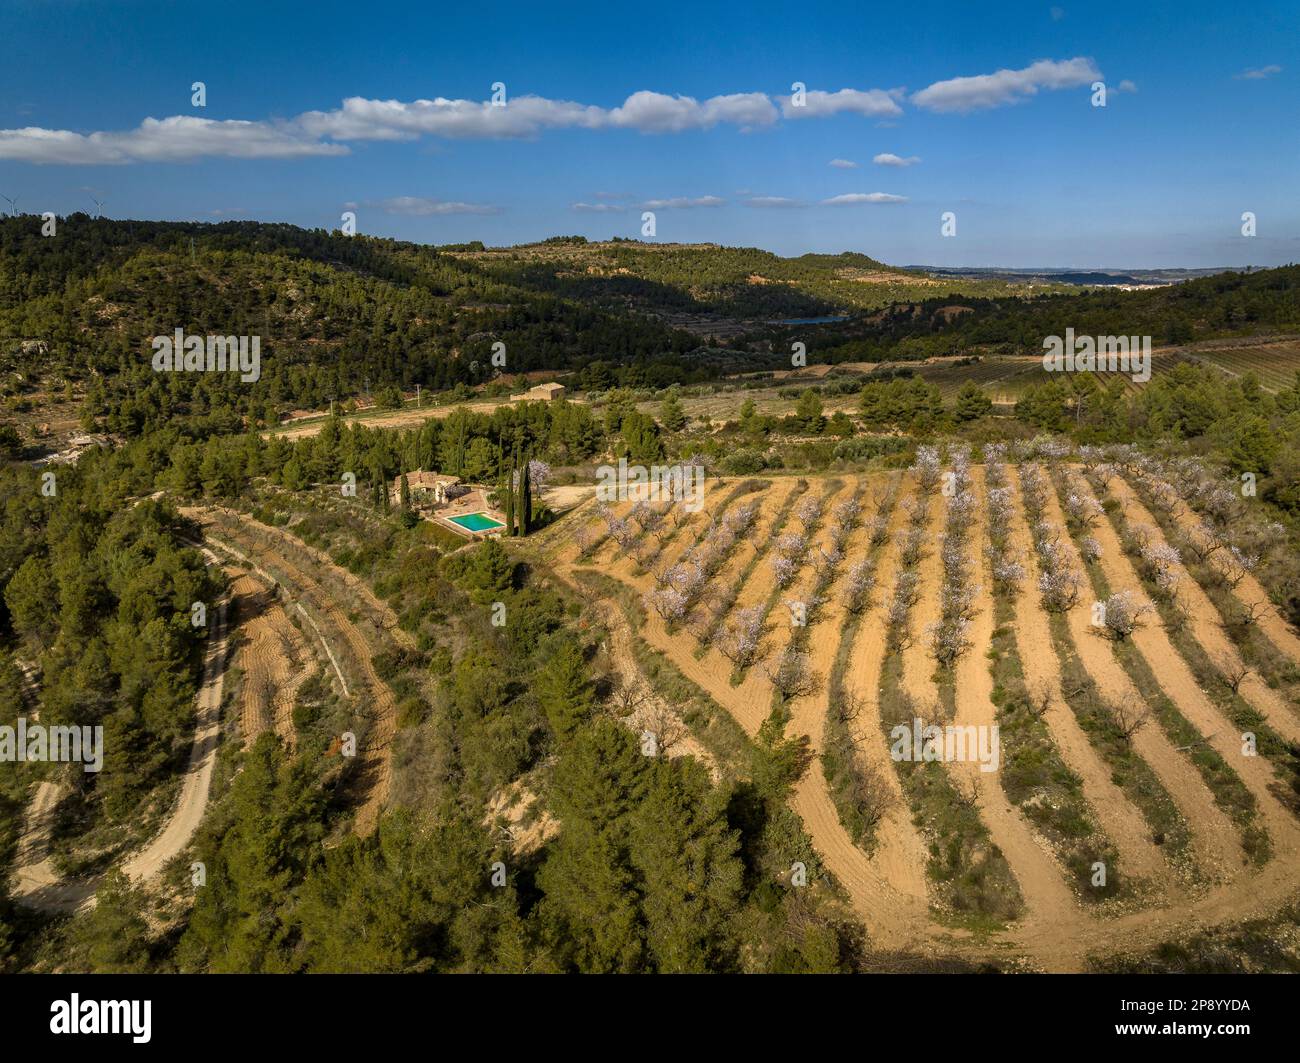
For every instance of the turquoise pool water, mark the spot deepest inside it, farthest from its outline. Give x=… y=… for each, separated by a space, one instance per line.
x=476 y=522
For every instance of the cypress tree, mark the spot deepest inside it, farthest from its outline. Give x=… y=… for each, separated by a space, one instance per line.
x=525 y=498
x=512 y=525
x=510 y=501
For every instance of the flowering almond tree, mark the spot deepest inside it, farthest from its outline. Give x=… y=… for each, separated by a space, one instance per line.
x=1058 y=584
x=904 y=598
x=1083 y=509
x=927 y=468
x=1160 y=562
x=793 y=675
x=846 y=512
x=949 y=639
x=784 y=569
x=1008 y=571
x=858 y=585
x=1123 y=610
x=808 y=512
x=1239 y=565
x=670 y=603
x=741 y=635
x=792 y=544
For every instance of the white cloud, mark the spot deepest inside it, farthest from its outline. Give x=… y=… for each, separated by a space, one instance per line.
x=1126 y=86
x=598 y=208
x=528 y=116
x=421 y=207
x=655 y=112
x=1258 y=73
x=682 y=203
x=315 y=133
x=363 y=119
x=850 y=199
x=1006 y=86
x=872 y=103
x=183 y=137
x=888 y=158
x=772 y=202
x=174 y=139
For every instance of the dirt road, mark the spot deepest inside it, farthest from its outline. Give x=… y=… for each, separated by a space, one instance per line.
x=36 y=882
x=197 y=784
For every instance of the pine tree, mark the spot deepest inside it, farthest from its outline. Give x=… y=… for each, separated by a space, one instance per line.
x=671 y=413
x=564 y=690
x=114 y=934
x=405 y=494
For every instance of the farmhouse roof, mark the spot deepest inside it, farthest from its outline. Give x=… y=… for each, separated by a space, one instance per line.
x=428 y=479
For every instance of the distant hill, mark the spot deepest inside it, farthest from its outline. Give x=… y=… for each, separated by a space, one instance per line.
x=737 y=282
x=338 y=317
x=1098 y=277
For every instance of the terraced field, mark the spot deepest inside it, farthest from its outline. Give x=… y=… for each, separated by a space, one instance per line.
x=274 y=658
x=1142 y=788
x=1005 y=377
x=349 y=640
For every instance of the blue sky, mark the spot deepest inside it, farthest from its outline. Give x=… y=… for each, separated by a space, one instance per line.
x=610 y=111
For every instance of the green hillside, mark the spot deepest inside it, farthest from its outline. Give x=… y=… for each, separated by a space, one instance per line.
x=338 y=317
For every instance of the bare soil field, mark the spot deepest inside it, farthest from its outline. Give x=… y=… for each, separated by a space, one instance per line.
x=273 y=658
x=407 y=417
x=1213 y=882
x=319 y=589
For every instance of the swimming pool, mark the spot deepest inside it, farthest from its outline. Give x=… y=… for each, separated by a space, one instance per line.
x=476 y=522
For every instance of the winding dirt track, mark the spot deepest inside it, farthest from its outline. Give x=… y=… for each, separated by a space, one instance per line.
x=1215 y=841
x=899 y=906
x=898 y=858
x=35 y=881
x=1249 y=592
x=1046 y=894
x=1119 y=819
x=918 y=667
x=38 y=885
x=1178 y=682
x=197 y=784
x=1207 y=627
x=887 y=889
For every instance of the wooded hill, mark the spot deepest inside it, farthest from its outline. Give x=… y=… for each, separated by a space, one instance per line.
x=341 y=316
x=738 y=282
